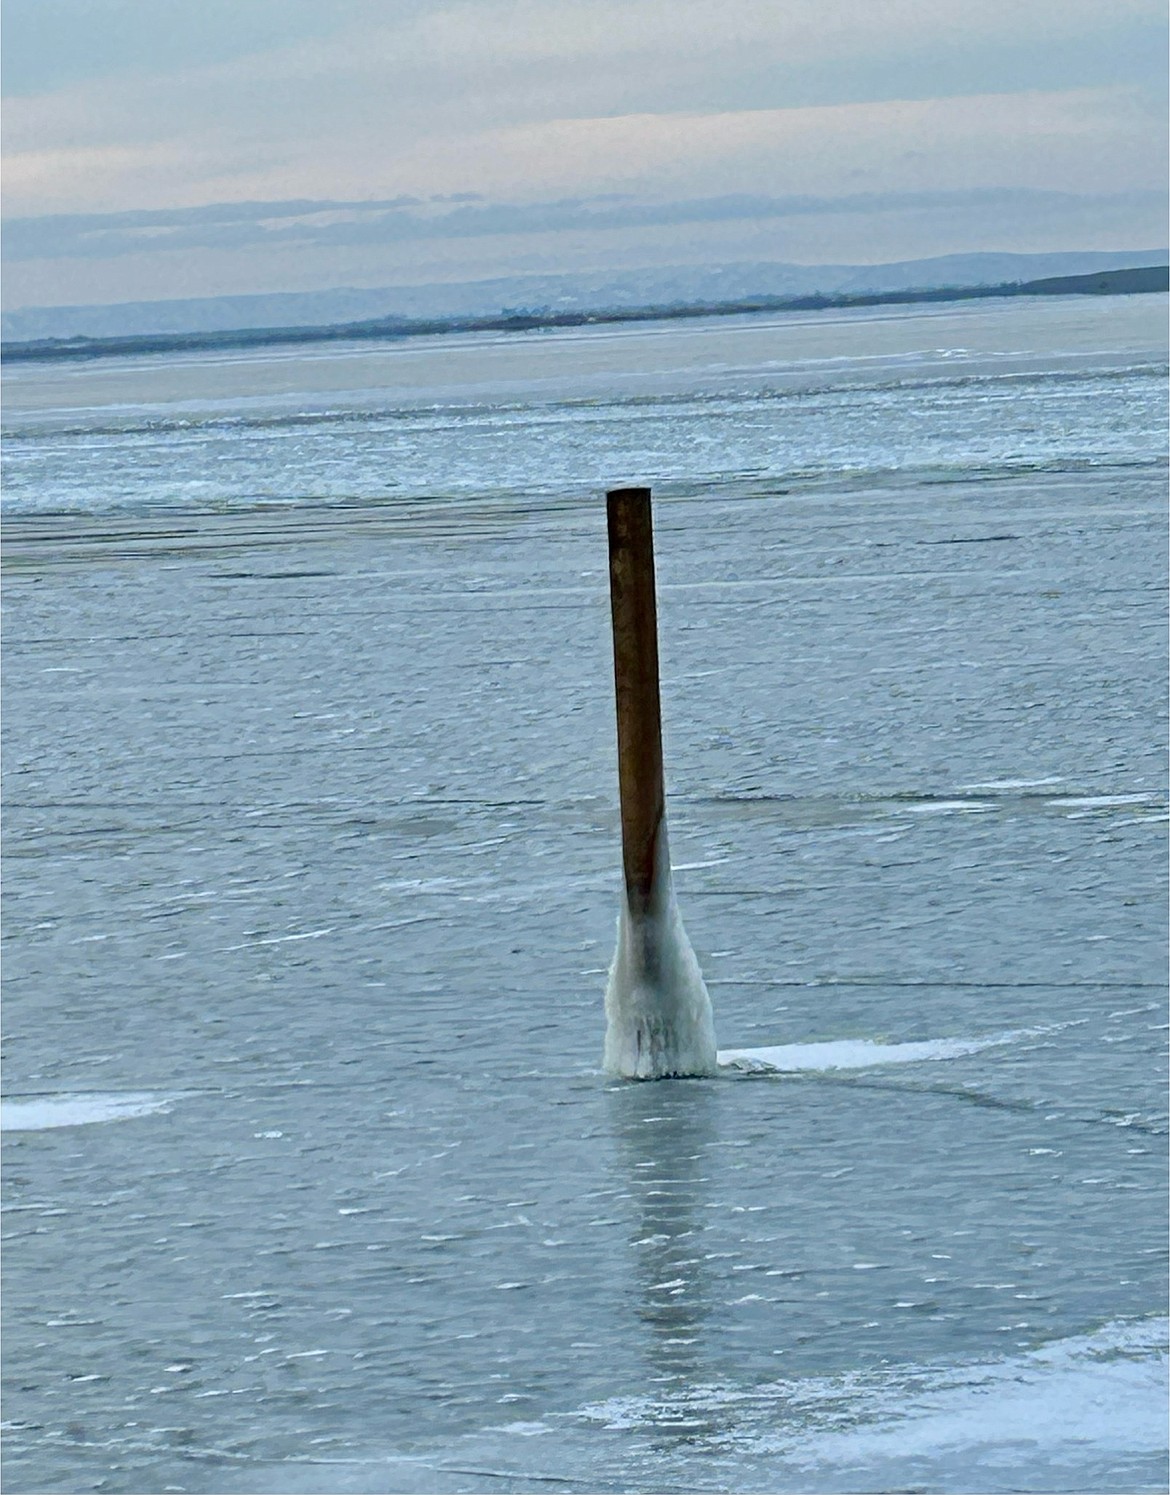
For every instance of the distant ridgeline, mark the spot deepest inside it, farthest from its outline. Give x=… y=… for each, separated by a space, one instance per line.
x=1100 y=283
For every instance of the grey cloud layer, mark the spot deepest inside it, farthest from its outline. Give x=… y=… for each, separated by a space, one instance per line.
x=462 y=215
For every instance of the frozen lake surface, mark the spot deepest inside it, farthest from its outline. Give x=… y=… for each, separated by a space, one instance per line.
x=312 y=1181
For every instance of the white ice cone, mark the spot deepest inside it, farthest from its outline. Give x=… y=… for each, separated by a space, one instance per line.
x=658 y=1014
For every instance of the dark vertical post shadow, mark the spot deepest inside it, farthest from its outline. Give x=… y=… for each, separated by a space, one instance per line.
x=635 y=668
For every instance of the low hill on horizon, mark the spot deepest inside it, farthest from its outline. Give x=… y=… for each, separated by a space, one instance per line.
x=604 y=290
x=1132 y=280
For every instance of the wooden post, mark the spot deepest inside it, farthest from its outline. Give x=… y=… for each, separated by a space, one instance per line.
x=658 y=1012
x=635 y=668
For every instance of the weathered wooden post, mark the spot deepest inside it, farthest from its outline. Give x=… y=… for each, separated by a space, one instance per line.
x=635 y=670
x=658 y=1013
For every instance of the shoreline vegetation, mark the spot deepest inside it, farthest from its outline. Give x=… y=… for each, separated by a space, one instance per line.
x=1139 y=280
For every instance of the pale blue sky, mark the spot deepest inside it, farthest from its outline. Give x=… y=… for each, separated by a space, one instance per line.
x=577 y=134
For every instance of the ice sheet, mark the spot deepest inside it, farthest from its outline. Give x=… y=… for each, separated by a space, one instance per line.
x=1062 y=1405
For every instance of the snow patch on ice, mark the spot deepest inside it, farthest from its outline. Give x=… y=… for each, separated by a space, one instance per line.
x=860 y=1053
x=41 y=1113
x=1101 y=801
x=947 y=807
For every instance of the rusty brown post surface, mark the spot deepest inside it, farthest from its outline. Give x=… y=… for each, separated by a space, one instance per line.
x=635 y=669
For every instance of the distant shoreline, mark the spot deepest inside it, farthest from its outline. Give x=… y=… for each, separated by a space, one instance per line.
x=1136 y=281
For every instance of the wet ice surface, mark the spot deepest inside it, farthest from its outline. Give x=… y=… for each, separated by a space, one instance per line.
x=312 y=839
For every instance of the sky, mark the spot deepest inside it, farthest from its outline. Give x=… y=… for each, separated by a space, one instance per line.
x=161 y=149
